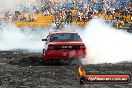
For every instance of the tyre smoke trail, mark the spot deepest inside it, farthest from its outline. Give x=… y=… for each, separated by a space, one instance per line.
x=12 y=38
x=106 y=44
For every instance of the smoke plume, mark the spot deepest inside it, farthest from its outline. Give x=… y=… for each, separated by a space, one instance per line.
x=12 y=38
x=106 y=44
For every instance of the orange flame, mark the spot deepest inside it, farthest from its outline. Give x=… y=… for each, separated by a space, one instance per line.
x=81 y=71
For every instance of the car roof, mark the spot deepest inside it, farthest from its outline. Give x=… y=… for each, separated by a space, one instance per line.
x=56 y=32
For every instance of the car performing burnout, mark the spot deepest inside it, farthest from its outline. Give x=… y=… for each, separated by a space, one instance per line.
x=62 y=45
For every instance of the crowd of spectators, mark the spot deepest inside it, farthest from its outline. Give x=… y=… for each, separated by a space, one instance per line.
x=85 y=9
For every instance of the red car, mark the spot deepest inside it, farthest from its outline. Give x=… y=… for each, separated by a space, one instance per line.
x=62 y=45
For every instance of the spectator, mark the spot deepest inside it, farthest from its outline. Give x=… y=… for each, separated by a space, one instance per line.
x=23 y=19
x=32 y=18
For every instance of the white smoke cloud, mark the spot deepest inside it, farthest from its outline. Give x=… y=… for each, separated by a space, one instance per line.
x=106 y=44
x=26 y=39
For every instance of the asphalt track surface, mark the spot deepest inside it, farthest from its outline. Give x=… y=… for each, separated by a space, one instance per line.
x=20 y=69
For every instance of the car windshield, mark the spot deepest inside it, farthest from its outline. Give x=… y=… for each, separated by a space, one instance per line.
x=64 y=37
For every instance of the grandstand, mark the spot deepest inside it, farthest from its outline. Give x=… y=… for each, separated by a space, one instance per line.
x=75 y=11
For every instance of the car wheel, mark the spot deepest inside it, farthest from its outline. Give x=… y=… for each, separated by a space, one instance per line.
x=43 y=61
